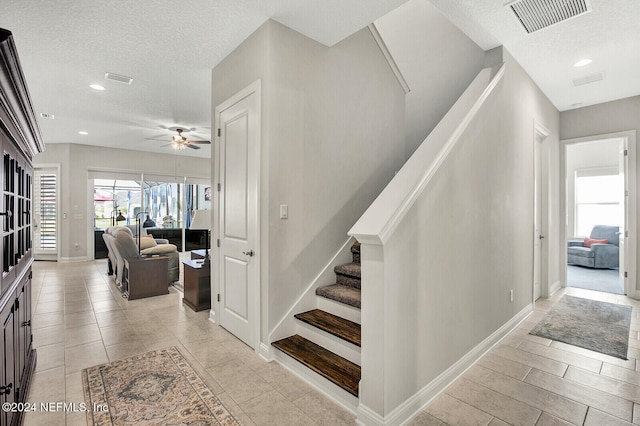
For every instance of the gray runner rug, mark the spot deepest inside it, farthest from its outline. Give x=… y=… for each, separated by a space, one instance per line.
x=598 y=326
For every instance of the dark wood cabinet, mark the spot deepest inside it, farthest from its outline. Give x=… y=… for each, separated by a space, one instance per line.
x=19 y=141
x=197 y=285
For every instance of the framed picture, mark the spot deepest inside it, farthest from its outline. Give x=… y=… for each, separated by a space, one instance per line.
x=207 y=193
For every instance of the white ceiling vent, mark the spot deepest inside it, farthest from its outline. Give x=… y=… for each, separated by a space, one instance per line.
x=119 y=78
x=591 y=78
x=535 y=15
x=47 y=116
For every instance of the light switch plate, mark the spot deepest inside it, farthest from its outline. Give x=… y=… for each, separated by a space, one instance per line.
x=284 y=211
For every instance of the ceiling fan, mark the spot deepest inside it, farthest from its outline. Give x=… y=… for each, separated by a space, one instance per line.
x=180 y=141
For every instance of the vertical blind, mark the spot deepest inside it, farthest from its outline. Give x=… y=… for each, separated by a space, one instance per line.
x=46 y=197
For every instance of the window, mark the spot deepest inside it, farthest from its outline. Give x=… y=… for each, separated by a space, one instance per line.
x=598 y=199
x=113 y=199
x=46 y=211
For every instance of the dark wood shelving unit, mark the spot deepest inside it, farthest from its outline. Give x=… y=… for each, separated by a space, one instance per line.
x=19 y=141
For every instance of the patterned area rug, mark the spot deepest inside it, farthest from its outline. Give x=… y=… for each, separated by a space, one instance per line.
x=155 y=388
x=598 y=326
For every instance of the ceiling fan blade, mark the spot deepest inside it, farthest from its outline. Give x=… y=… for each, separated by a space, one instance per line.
x=168 y=144
x=192 y=146
x=200 y=142
x=156 y=139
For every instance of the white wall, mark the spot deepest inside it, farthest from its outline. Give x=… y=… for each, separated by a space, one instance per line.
x=606 y=118
x=600 y=154
x=437 y=60
x=76 y=199
x=467 y=241
x=332 y=137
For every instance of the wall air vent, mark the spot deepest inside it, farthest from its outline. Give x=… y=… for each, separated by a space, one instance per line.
x=535 y=15
x=47 y=116
x=591 y=78
x=119 y=78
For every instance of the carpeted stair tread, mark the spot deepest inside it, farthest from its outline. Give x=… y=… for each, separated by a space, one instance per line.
x=355 y=252
x=348 y=269
x=338 y=370
x=341 y=293
x=332 y=324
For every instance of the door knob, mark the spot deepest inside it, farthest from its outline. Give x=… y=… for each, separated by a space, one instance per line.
x=248 y=253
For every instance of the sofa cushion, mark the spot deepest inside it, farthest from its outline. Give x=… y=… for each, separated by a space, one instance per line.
x=147 y=242
x=606 y=232
x=580 y=251
x=160 y=249
x=589 y=241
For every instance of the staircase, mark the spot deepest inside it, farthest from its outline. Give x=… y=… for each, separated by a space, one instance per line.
x=331 y=342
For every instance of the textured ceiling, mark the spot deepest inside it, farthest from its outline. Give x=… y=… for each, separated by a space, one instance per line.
x=168 y=47
x=609 y=35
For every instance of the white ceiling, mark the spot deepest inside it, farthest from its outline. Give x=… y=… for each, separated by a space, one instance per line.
x=609 y=35
x=170 y=49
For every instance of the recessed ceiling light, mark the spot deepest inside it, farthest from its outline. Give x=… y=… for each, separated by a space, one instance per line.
x=582 y=63
x=82 y=132
x=97 y=87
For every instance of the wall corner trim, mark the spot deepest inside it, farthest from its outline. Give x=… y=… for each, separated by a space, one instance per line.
x=387 y=55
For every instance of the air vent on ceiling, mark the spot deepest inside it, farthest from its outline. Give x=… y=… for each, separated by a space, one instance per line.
x=119 y=78
x=45 y=115
x=535 y=15
x=591 y=78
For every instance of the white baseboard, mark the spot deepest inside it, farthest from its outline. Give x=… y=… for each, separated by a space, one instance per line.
x=409 y=409
x=74 y=259
x=266 y=351
x=554 y=287
x=212 y=316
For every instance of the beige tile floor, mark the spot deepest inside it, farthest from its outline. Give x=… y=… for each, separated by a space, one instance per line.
x=80 y=320
x=528 y=380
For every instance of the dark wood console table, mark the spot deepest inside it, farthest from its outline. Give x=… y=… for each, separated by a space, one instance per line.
x=197 y=285
x=146 y=276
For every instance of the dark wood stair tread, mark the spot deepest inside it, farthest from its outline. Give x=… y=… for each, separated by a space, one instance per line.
x=332 y=324
x=333 y=367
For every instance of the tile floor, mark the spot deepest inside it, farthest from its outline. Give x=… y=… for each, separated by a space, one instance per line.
x=80 y=320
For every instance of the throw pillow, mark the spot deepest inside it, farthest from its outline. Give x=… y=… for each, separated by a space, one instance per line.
x=146 y=243
x=589 y=241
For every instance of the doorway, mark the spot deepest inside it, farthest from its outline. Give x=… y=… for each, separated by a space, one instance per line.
x=599 y=203
x=540 y=206
x=45 y=212
x=237 y=231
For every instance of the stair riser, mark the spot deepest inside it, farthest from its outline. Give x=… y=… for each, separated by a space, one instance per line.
x=339 y=309
x=328 y=341
x=329 y=389
x=337 y=298
x=347 y=280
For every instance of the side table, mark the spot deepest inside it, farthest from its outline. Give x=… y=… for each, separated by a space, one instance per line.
x=197 y=285
x=146 y=276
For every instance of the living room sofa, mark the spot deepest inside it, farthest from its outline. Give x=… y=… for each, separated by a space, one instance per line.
x=596 y=254
x=122 y=245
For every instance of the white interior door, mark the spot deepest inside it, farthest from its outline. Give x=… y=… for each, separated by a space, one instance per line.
x=537 y=237
x=624 y=196
x=238 y=206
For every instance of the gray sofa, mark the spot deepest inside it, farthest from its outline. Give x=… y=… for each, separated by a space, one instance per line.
x=598 y=255
x=121 y=245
